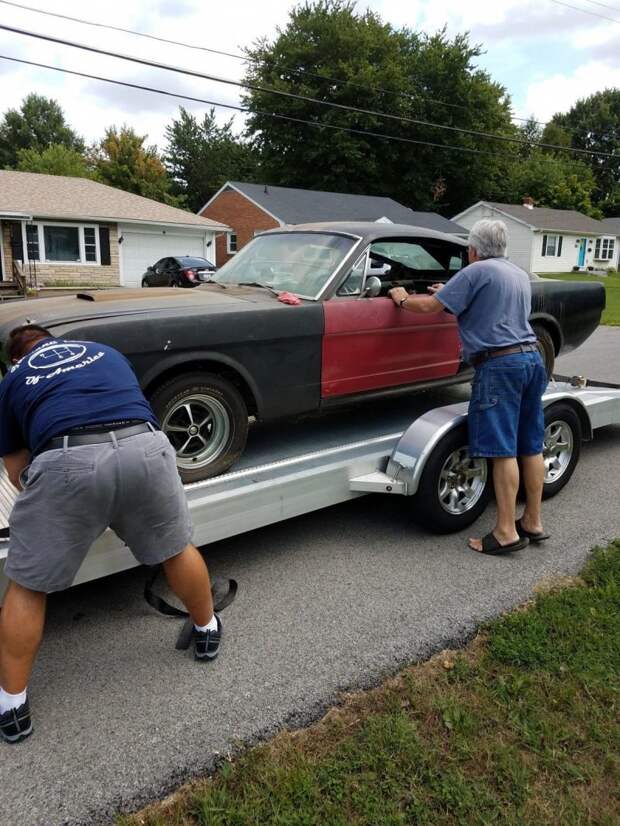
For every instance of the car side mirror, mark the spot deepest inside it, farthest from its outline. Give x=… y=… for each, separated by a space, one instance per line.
x=150 y=269
x=373 y=287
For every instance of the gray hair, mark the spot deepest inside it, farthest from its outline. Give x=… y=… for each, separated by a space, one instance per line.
x=489 y=238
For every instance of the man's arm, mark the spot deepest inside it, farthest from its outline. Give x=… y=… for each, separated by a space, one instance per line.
x=15 y=463
x=416 y=303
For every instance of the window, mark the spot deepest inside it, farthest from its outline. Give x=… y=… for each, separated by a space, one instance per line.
x=552 y=246
x=604 y=249
x=232 y=242
x=63 y=243
x=32 y=242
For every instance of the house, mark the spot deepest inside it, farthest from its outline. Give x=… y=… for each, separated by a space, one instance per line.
x=60 y=230
x=548 y=240
x=612 y=228
x=252 y=208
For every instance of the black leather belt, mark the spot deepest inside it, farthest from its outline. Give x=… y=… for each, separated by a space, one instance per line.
x=74 y=439
x=480 y=358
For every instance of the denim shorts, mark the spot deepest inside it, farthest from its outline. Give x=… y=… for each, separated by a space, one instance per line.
x=506 y=416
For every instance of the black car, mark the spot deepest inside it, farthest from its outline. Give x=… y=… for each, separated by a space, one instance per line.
x=178 y=271
x=237 y=348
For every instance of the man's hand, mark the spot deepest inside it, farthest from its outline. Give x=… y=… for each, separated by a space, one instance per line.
x=434 y=288
x=397 y=294
x=15 y=463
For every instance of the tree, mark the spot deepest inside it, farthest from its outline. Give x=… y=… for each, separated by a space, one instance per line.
x=121 y=160
x=399 y=72
x=594 y=124
x=38 y=124
x=54 y=160
x=201 y=156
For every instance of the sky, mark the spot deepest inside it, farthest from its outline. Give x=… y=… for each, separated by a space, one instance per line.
x=546 y=54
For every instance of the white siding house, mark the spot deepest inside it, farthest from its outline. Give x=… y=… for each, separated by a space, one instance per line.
x=612 y=228
x=549 y=240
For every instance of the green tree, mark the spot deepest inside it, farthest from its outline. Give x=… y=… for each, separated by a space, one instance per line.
x=395 y=71
x=38 y=124
x=121 y=160
x=201 y=156
x=54 y=160
x=594 y=124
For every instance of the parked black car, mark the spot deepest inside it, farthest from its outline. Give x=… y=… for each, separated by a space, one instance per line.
x=179 y=271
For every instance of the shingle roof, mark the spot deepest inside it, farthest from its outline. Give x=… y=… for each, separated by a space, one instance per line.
x=612 y=225
x=301 y=206
x=566 y=220
x=61 y=197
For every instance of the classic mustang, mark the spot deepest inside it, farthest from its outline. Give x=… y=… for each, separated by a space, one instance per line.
x=211 y=358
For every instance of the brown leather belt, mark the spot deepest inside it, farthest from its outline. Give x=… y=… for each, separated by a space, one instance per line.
x=480 y=358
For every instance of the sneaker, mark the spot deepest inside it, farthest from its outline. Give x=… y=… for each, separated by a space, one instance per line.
x=15 y=724
x=207 y=643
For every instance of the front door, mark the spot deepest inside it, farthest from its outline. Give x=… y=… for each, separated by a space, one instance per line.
x=369 y=343
x=582 y=253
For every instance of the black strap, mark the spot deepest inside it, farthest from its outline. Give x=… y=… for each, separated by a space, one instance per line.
x=575 y=382
x=223 y=592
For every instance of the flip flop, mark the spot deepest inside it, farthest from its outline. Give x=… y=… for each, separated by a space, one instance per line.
x=491 y=546
x=533 y=537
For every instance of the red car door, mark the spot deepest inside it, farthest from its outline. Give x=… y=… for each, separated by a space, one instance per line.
x=370 y=344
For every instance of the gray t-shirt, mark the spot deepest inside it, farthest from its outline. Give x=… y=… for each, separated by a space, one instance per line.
x=492 y=300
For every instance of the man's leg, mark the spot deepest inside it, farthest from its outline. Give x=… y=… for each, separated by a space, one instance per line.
x=21 y=627
x=506 y=483
x=188 y=577
x=533 y=468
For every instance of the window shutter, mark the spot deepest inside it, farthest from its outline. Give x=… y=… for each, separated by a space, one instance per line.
x=597 y=249
x=544 y=246
x=559 y=247
x=104 y=246
x=17 y=242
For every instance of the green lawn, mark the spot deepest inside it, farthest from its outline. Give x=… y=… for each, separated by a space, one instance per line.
x=612 y=288
x=521 y=728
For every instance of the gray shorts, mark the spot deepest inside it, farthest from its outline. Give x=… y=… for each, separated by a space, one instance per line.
x=71 y=496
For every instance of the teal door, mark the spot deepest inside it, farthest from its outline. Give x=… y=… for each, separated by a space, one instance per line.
x=582 y=253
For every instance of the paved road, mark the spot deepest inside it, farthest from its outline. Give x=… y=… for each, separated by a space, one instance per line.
x=328 y=601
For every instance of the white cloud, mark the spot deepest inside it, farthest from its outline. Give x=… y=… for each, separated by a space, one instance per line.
x=559 y=92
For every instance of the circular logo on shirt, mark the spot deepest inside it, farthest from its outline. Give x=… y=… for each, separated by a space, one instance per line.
x=53 y=355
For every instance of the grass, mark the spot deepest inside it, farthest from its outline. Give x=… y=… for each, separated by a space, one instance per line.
x=611 y=315
x=520 y=728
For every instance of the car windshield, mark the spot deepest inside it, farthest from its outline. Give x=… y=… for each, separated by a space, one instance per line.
x=297 y=262
x=194 y=262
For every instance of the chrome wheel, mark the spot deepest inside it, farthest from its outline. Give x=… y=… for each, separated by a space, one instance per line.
x=557 y=449
x=462 y=482
x=198 y=428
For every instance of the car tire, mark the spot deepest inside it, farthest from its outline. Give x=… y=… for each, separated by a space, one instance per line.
x=145 y=283
x=206 y=420
x=445 y=509
x=546 y=347
x=562 y=430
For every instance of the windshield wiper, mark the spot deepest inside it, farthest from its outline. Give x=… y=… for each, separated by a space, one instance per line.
x=258 y=284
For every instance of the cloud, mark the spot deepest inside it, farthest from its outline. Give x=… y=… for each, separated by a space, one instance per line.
x=559 y=92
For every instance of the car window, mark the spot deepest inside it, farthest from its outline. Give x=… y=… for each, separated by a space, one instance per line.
x=299 y=262
x=188 y=261
x=411 y=255
x=159 y=265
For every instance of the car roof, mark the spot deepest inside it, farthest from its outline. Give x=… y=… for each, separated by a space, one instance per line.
x=369 y=230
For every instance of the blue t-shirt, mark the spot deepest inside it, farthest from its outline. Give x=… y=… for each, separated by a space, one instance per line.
x=492 y=300
x=62 y=384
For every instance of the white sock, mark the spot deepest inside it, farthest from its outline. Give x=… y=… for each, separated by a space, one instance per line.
x=210 y=626
x=10 y=701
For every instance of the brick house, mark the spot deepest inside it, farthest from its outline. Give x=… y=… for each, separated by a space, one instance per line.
x=251 y=208
x=60 y=230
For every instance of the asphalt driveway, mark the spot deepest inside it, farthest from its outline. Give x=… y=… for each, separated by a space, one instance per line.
x=329 y=601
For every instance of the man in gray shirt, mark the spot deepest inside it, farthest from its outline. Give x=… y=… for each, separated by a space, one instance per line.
x=491 y=299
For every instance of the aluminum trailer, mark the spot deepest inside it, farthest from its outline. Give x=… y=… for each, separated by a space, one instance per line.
x=414 y=446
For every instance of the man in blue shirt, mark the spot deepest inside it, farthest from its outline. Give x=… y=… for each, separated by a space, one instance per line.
x=81 y=443
x=491 y=299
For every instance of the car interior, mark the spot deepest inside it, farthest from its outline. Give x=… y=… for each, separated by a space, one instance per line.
x=414 y=264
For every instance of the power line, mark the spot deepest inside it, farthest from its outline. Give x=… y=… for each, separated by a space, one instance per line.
x=244 y=58
x=295 y=96
x=587 y=11
x=277 y=115
x=604 y=5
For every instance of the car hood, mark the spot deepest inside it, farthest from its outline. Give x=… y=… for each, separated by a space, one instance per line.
x=54 y=312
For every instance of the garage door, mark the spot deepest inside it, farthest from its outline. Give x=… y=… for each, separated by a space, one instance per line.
x=140 y=250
